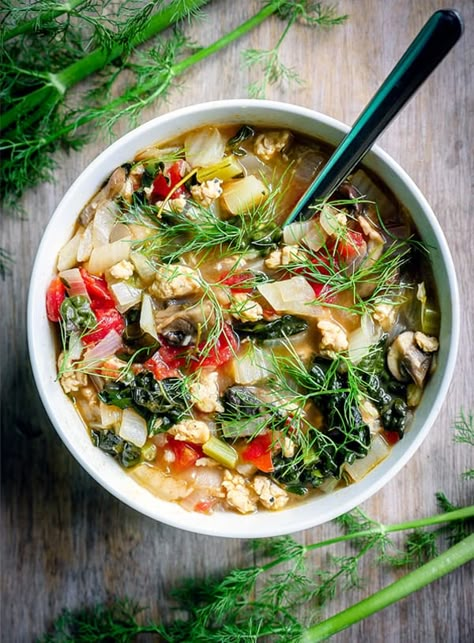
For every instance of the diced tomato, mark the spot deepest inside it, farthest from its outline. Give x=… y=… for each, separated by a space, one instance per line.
x=221 y=353
x=205 y=506
x=259 y=453
x=185 y=454
x=164 y=183
x=351 y=246
x=322 y=262
x=173 y=356
x=107 y=319
x=55 y=296
x=236 y=282
x=159 y=367
x=97 y=290
x=391 y=437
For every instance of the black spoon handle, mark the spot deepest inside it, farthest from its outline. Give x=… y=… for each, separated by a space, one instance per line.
x=430 y=46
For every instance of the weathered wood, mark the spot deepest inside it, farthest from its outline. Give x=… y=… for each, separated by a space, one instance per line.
x=65 y=541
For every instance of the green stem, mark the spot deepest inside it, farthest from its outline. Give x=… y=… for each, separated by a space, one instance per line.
x=34 y=24
x=93 y=62
x=451 y=559
x=459 y=514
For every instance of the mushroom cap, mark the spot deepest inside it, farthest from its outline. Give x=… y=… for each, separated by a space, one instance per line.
x=405 y=360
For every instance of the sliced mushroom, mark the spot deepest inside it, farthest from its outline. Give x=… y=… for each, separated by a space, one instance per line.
x=405 y=360
x=181 y=326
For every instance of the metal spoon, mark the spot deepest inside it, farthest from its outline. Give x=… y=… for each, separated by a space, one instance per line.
x=431 y=45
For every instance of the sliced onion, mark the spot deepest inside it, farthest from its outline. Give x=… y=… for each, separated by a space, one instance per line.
x=85 y=244
x=110 y=415
x=362 y=339
x=76 y=285
x=252 y=367
x=76 y=346
x=283 y=295
x=147 y=318
x=104 y=221
x=328 y=220
x=143 y=266
x=133 y=428
x=119 y=231
x=67 y=257
x=379 y=450
x=125 y=295
x=294 y=232
x=105 y=348
x=105 y=257
x=204 y=147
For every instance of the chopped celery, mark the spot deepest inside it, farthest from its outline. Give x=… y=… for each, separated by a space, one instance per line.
x=149 y=452
x=225 y=169
x=430 y=321
x=221 y=452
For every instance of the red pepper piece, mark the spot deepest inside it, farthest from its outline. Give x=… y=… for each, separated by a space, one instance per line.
x=259 y=453
x=55 y=296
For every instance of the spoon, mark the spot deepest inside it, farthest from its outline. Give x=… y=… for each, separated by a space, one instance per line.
x=430 y=46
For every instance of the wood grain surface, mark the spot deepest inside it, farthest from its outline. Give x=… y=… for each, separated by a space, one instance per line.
x=65 y=541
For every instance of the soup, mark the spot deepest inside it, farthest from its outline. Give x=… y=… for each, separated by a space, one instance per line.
x=229 y=361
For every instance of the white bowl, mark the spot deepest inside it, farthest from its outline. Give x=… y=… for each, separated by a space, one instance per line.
x=42 y=345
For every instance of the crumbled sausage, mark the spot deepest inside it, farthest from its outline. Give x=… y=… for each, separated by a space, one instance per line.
x=207 y=192
x=270 y=495
x=270 y=143
x=71 y=380
x=175 y=281
x=205 y=392
x=122 y=270
x=245 y=308
x=384 y=315
x=283 y=256
x=333 y=337
x=194 y=431
x=426 y=343
x=239 y=494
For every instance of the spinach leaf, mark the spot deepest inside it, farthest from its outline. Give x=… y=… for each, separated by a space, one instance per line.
x=125 y=452
x=286 y=325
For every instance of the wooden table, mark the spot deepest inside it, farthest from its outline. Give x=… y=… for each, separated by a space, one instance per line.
x=65 y=541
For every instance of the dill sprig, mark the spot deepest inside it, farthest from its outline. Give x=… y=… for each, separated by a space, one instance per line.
x=267 y=61
x=464 y=434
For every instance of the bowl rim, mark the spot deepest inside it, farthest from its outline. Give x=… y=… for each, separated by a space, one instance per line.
x=245 y=528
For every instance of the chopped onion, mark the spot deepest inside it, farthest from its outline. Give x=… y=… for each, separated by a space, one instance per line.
x=105 y=257
x=104 y=221
x=329 y=221
x=75 y=282
x=125 y=295
x=251 y=367
x=294 y=232
x=204 y=147
x=143 y=266
x=105 y=348
x=133 y=428
x=75 y=346
x=67 y=257
x=85 y=244
x=157 y=153
x=361 y=340
x=241 y=195
x=284 y=295
x=110 y=415
x=147 y=318
x=379 y=450
x=160 y=484
x=119 y=231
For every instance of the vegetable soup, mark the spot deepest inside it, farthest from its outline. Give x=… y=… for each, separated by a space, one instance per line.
x=228 y=361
